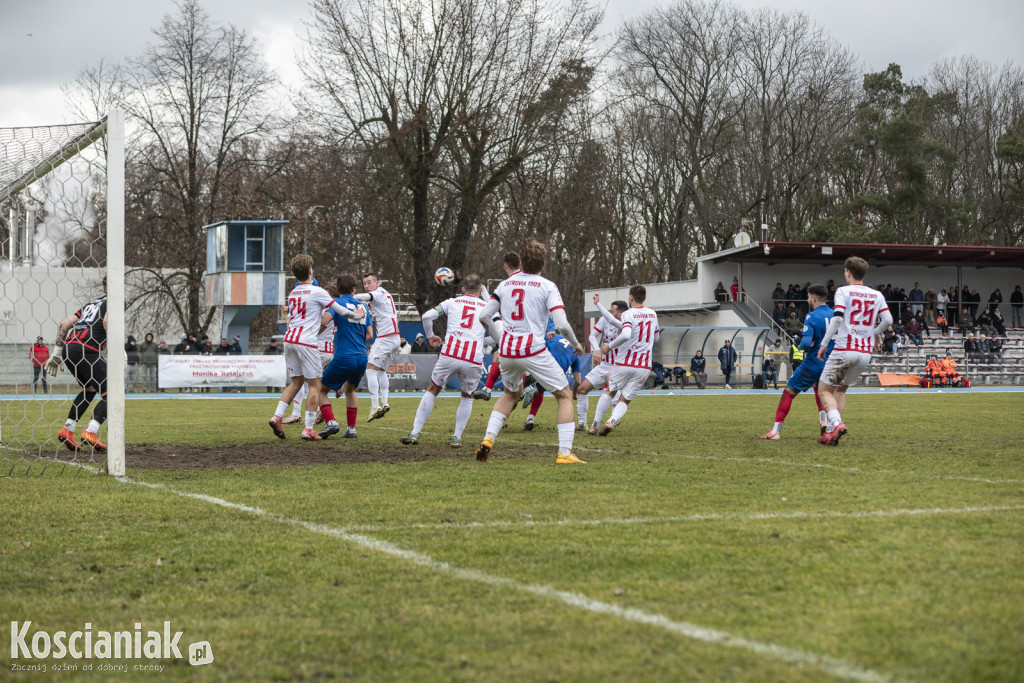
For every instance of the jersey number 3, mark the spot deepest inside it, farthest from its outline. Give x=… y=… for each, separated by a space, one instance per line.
x=517 y=299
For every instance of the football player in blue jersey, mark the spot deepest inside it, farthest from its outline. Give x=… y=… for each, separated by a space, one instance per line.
x=807 y=374
x=348 y=366
x=562 y=350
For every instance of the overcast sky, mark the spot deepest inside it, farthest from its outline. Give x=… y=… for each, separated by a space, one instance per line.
x=44 y=43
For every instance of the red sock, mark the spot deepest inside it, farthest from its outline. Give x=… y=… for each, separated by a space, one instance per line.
x=327 y=411
x=350 y=413
x=538 y=398
x=492 y=375
x=784 y=403
x=818 y=398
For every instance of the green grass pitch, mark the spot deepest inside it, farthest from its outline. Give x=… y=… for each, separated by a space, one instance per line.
x=687 y=549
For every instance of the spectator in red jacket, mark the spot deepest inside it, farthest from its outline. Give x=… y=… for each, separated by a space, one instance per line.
x=39 y=354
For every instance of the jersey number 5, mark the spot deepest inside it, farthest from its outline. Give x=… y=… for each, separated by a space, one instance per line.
x=468 y=315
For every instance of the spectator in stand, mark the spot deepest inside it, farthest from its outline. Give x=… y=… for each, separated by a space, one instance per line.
x=780 y=355
x=931 y=301
x=792 y=298
x=39 y=353
x=975 y=300
x=420 y=345
x=727 y=361
x=953 y=308
x=916 y=299
x=236 y=345
x=997 y=322
x=904 y=303
x=720 y=294
x=794 y=326
x=734 y=289
x=966 y=325
x=901 y=331
x=224 y=349
x=206 y=346
x=182 y=347
x=941 y=300
x=131 y=370
x=890 y=341
x=196 y=347
x=830 y=298
x=404 y=347
x=779 y=294
x=779 y=314
x=995 y=299
x=1016 y=307
x=984 y=322
x=149 y=357
x=769 y=372
x=913 y=331
x=273 y=349
x=984 y=349
x=995 y=350
x=698 y=369
x=942 y=324
x=972 y=350
x=161 y=350
x=796 y=354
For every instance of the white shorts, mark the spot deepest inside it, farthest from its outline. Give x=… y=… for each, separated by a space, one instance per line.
x=469 y=373
x=843 y=368
x=629 y=381
x=325 y=359
x=543 y=367
x=598 y=375
x=302 y=361
x=383 y=350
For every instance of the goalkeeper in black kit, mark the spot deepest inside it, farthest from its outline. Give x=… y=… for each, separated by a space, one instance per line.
x=80 y=339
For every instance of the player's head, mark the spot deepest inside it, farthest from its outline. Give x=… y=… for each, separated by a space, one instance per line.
x=302 y=267
x=618 y=308
x=816 y=295
x=370 y=282
x=471 y=285
x=855 y=269
x=347 y=284
x=534 y=255
x=511 y=262
x=637 y=294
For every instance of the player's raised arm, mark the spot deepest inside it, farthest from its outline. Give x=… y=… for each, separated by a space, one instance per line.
x=428 y=319
x=486 y=319
x=565 y=329
x=607 y=316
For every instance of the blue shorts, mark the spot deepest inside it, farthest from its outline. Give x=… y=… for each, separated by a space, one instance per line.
x=344 y=369
x=805 y=376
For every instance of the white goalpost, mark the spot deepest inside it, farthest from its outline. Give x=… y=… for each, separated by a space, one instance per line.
x=62 y=223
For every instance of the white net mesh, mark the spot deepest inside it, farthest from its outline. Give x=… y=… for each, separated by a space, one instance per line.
x=53 y=187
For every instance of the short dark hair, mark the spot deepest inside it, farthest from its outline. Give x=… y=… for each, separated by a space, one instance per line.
x=818 y=291
x=534 y=255
x=620 y=305
x=639 y=293
x=511 y=259
x=857 y=266
x=371 y=274
x=346 y=284
x=302 y=266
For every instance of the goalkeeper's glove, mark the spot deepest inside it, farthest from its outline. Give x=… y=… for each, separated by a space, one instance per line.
x=53 y=365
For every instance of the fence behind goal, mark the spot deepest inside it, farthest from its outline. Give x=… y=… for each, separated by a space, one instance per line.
x=62 y=232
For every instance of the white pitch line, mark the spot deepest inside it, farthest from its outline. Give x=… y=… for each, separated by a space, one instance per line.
x=708 y=517
x=824 y=663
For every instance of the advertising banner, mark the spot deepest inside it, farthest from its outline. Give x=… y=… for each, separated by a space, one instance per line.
x=221 y=371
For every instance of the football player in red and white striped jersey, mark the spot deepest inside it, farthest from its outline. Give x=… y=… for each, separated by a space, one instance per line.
x=605 y=331
x=385 y=346
x=525 y=300
x=634 y=348
x=461 y=354
x=858 y=319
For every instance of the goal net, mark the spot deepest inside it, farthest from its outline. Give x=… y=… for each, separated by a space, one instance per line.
x=61 y=234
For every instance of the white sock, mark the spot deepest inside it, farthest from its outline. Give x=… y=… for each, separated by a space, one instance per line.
x=462 y=415
x=833 y=419
x=310 y=418
x=423 y=411
x=384 y=384
x=822 y=417
x=94 y=427
x=70 y=424
x=297 y=401
x=619 y=411
x=282 y=407
x=373 y=386
x=494 y=423
x=603 y=404
x=582 y=406
x=565 y=434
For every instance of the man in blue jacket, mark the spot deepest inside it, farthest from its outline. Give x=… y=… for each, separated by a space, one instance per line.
x=727 y=359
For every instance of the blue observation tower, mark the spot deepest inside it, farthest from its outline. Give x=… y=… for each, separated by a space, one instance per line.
x=245 y=271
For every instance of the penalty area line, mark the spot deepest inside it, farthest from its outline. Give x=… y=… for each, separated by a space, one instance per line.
x=823 y=663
